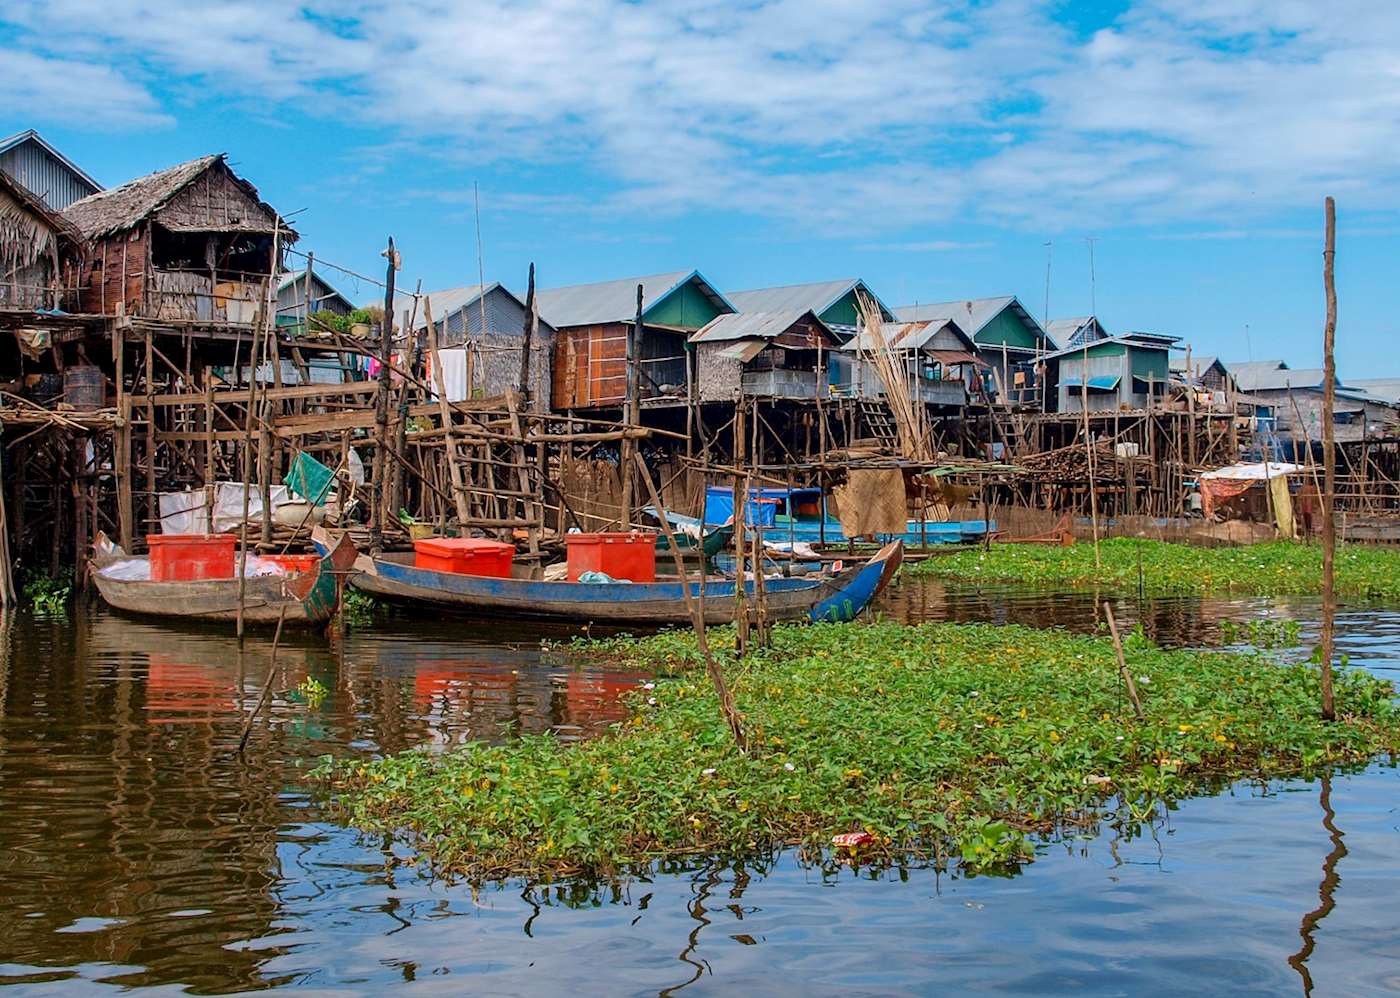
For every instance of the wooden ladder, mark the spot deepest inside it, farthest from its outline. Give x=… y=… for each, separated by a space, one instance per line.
x=879 y=422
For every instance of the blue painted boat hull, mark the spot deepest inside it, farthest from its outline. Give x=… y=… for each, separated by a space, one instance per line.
x=834 y=598
x=936 y=532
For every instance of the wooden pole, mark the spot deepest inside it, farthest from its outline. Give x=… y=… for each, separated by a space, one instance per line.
x=632 y=410
x=696 y=610
x=1089 y=450
x=1329 y=459
x=380 y=467
x=532 y=328
x=1122 y=662
x=459 y=493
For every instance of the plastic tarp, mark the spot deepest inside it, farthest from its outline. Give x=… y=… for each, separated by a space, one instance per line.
x=139 y=569
x=1223 y=484
x=186 y=512
x=1102 y=383
x=762 y=506
x=309 y=478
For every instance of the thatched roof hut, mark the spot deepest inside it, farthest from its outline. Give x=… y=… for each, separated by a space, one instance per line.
x=38 y=248
x=192 y=242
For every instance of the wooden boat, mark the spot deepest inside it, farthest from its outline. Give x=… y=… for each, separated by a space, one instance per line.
x=830 y=598
x=309 y=597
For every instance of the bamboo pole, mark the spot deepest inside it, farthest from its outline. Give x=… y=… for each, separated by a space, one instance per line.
x=1122 y=663
x=1329 y=458
x=258 y=336
x=267 y=686
x=696 y=609
x=1089 y=451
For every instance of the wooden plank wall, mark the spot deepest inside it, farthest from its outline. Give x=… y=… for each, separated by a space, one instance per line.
x=116 y=273
x=590 y=366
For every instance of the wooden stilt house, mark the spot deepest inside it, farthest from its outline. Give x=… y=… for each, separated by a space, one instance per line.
x=767 y=355
x=590 y=353
x=192 y=244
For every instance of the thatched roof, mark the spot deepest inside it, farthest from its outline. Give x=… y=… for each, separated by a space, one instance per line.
x=120 y=208
x=30 y=229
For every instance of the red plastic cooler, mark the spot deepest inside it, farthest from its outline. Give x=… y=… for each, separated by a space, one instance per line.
x=630 y=556
x=464 y=556
x=187 y=557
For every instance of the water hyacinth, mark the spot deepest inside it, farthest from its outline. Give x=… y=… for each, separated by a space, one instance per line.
x=1276 y=569
x=869 y=727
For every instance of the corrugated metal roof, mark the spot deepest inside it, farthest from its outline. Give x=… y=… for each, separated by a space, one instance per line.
x=818 y=296
x=1277 y=379
x=616 y=301
x=1151 y=341
x=30 y=135
x=1063 y=332
x=972 y=315
x=447 y=301
x=743 y=351
x=1238 y=367
x=1386 y=389
x=1201 y=364
x=753 y=325
x=906 y=335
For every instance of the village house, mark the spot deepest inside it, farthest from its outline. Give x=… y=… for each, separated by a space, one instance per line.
x=292 y=298
x=836 y=303
x=1289 y=402
x=480 y=334
x=939 y=358
x=1205 y=372
x=1009 y=342
x=48 y=174
x=593 y=320
x=769 y=355
x=193 y=244
x=1110 y=374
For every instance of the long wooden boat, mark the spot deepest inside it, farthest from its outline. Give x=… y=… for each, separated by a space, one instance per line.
x=309 y=597
x=831 y=598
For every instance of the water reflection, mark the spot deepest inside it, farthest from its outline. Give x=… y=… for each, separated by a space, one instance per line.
x=138 y=850
x=1326 y=890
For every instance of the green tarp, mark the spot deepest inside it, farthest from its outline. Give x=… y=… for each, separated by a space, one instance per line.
x=309 y=478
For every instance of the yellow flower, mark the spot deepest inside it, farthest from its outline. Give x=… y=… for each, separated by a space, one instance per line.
x=1054 y=736
x=1221 y=738
x=1183 y=728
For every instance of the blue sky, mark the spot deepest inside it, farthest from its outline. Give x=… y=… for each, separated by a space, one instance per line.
x=932 y=147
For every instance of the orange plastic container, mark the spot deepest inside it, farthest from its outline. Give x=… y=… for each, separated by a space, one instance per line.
x=630 y=556
x=187 y=557
x=464 y=556
x=295 y=564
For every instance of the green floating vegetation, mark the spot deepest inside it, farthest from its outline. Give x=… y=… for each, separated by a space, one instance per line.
x=48 y=594
x=1275 y=569
x=948 y=742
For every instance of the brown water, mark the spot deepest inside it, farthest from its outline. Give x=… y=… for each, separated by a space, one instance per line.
x=137 y=850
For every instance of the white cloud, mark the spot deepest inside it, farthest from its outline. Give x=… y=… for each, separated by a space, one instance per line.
x=77 y=93
x=826 y=114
